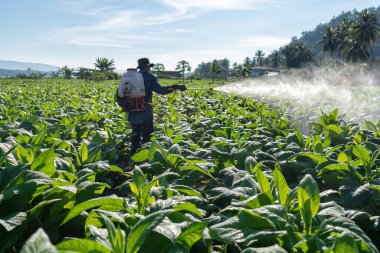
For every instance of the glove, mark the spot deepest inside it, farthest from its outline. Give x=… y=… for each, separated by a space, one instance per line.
x=179 y=87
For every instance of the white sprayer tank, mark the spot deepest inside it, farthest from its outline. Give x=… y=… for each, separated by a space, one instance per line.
x=131 y=84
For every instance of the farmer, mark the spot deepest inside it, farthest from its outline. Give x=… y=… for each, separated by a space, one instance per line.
x=142 y=122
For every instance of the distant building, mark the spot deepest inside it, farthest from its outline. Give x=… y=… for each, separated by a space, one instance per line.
x=263 y=71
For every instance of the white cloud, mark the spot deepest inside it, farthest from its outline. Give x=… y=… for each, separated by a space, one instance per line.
x=98 y=41
x=114 y=28
x=186 y=5
x=122 y=20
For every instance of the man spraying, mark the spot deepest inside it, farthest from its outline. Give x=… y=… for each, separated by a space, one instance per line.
x=141 y=119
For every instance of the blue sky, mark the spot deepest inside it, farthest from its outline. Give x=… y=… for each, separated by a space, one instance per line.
x=76 y=32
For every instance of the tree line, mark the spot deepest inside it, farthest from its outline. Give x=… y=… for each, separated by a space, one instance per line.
x=104 y=70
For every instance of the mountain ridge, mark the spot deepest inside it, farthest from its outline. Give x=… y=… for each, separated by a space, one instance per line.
x=17 y=65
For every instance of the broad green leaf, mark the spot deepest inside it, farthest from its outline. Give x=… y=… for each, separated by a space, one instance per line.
x=81 y=246
x=24 y=155
x=250 y=164
x=256 y=201
x=138 y=177
x=12 y=220
x=36 y=210
x=281 y=185
x=94 y=154
x=375 y=187
x=198 y=168
x=115 y=236
x=263 y=181
x=333 y=130
x=152 y=149
x=162 y=157
x=341 y=167
x=315 y=158
x=134 y=189
x=82 y=153
x=143 y=228
x=308 y=201
x=141 y=156
x=115 y=168
x=23 y=188
x=344 y=225
x=318 y=147
x=269 y=249
x=189 y=207
x=110 y=228
x=353 y=194
x=187 y=190
x=334 y=114
x=361 y=153
x=119 y=241
x=39 y=242
x=344 y=157
x=191 y=235
x=366 y=124
x=345 y=243
x=374 y=157
x=144 y=198
x=240 y=226
x=359 y=137
x=112 y=200
x=44 y=162
x=266 y=237
x=6 y=155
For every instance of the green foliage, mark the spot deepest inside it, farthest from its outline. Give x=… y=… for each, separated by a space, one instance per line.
x=222 y=174
x=308 y=200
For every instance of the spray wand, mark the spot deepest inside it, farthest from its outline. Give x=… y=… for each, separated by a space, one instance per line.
x=209 y=89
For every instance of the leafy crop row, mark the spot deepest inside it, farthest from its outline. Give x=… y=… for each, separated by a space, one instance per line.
x=222 y=174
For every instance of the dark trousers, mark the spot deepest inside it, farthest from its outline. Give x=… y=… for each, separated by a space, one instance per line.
x=144 y=131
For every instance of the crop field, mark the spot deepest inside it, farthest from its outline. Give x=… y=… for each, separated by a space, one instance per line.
x=222 y=174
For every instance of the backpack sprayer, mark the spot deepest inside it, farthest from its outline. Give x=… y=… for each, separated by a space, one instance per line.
x=131 y=91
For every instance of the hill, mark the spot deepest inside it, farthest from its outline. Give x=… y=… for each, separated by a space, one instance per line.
x=15 y=65
x=312 y=38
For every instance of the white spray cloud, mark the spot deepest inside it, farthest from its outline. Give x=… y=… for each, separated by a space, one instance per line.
x=354 y=90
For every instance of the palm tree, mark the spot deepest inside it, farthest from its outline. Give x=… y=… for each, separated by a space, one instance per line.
x=328 y=41
x=302 y=53
x=158 y=68
x=342 y=33
x=355 y=50
x=215 y=68
x=275 y=58
x=243 y=70
x=247 y=61
x=183 y=66
x=225 y=63
x=366 y=29
x=104 y=65
x=66 y=72
x=260 y=57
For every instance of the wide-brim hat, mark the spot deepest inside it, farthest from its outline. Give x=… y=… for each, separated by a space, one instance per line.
x=144 y=62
